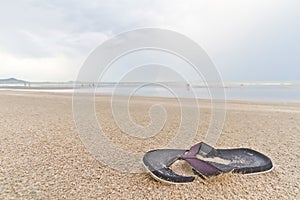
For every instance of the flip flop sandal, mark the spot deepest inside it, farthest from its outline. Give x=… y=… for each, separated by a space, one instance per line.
x=204 y=161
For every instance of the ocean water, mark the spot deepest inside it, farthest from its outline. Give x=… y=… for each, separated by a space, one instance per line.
x=248 y=93
x=262 y=92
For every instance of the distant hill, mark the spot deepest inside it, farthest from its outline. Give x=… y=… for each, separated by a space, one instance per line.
x=11 y=81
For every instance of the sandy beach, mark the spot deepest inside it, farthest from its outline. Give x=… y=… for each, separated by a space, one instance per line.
x=42 y=156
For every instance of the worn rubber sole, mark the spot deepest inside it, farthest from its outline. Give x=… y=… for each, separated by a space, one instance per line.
x=241 y=161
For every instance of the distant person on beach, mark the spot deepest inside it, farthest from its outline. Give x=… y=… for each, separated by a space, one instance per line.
x=188 y=87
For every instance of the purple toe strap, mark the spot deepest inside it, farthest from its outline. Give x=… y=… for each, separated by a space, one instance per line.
x=201 y=166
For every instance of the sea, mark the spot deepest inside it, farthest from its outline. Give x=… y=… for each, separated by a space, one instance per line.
x=283 y=92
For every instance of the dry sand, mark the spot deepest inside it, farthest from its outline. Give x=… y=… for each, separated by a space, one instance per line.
x=42 y=157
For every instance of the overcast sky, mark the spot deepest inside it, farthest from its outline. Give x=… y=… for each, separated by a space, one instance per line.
x=247 y=40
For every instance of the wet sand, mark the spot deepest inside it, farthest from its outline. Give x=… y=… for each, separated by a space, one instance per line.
x=42 y=157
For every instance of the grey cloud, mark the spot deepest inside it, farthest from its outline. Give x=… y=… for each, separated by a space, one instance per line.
x=56 y=26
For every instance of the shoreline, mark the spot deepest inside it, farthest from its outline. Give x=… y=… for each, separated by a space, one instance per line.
x=63 y=91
